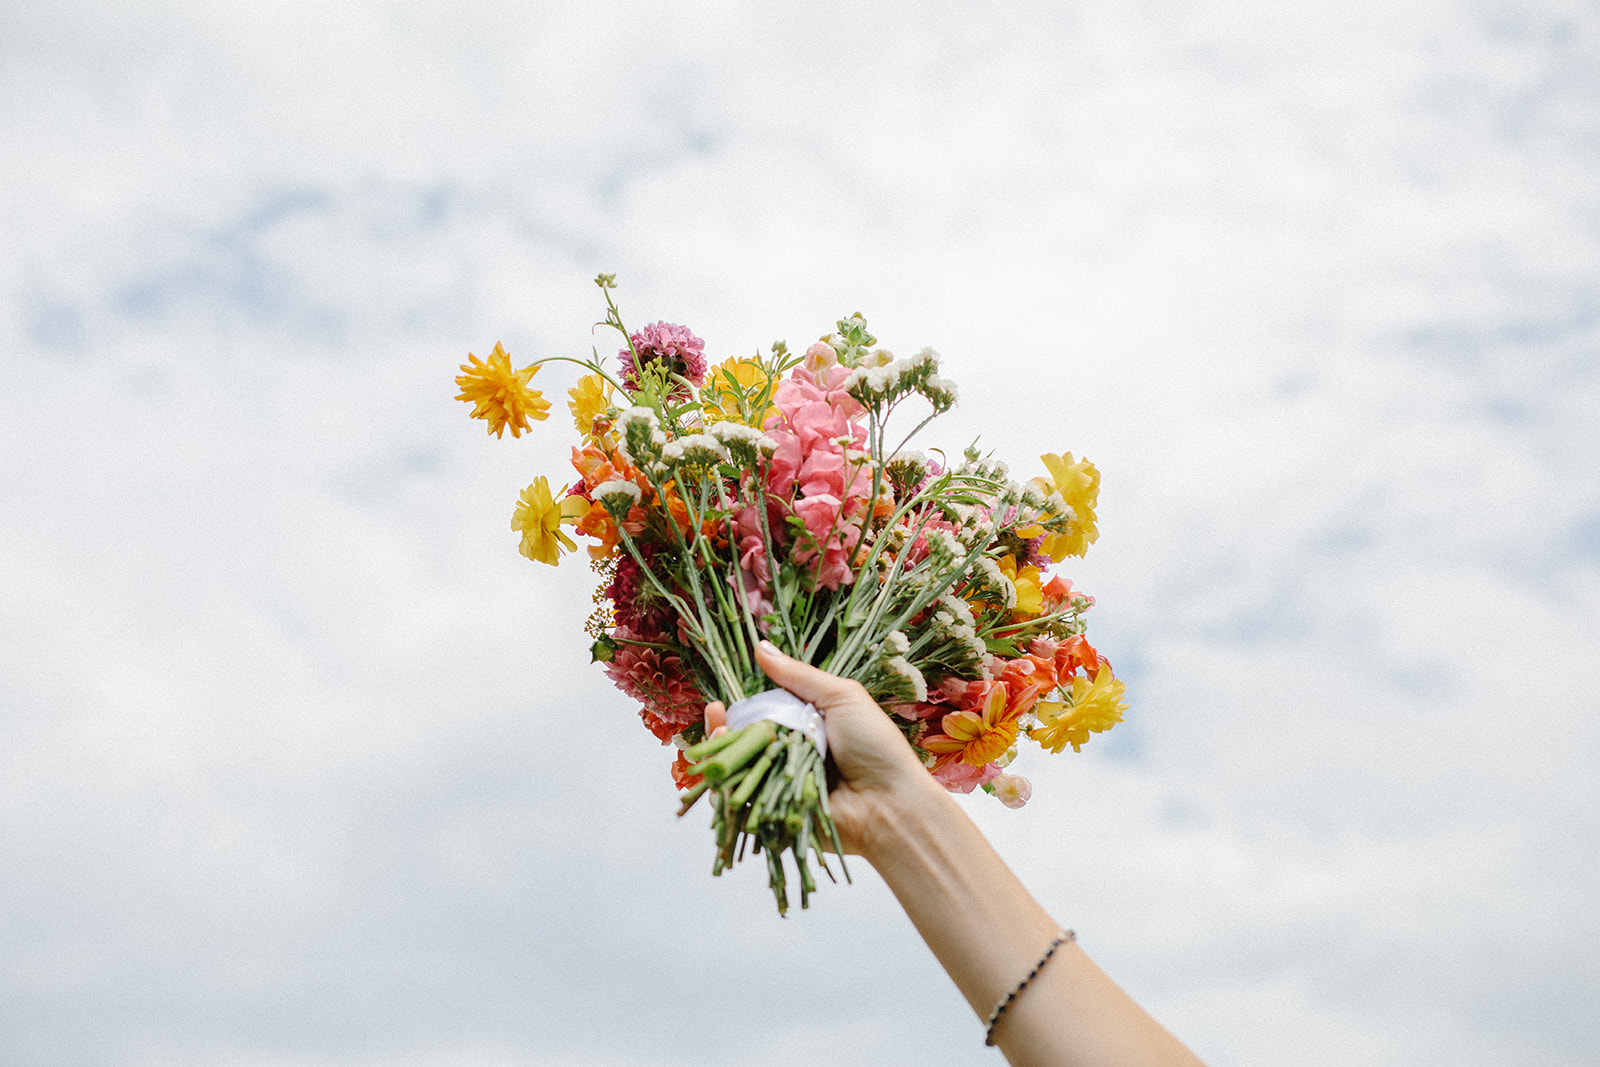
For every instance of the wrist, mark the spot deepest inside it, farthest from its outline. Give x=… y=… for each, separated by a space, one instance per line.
x=903 y=815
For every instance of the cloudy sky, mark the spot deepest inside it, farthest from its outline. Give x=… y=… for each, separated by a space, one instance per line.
x=302 y=765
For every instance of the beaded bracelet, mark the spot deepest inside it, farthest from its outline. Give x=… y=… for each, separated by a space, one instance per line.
x=1000 y=1008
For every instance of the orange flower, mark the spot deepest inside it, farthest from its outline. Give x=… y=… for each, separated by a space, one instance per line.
x=499 y=395
x=977 y=739
x=1075 y=654
x=596 y=523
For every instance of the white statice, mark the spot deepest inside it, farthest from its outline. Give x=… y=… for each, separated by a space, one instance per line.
x=959 y=608
x=995 y=580
x=872 y=384
x=941 y=392
x=897 y=642
x=641 y=434
x=743 y=442
x=617 y=495
x=695 y=448
x=915 y=464
x=943 y=546
x=904 y=668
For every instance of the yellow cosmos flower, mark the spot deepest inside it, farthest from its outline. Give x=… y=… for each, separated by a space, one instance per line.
x=1078 y=482
x=587 y=401
x=731 y=382
x=1030 y=589
x=1095 y=708
x=499 y=395
x=538 y=518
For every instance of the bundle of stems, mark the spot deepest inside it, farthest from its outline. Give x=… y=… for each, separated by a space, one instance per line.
x=769 y=791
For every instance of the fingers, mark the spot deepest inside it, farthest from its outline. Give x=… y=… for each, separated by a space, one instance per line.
x=803 y=680
x=716 y=717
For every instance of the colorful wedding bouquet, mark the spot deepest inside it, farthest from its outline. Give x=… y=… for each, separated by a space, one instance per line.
x=762 y=499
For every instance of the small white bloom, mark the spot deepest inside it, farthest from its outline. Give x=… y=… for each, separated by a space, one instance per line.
x=605 y=491
x=958 y=608
x=1013 y=790
x=904 y=668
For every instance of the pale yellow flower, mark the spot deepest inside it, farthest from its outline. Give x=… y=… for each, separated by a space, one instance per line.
x=1095 y=707
x=1078 y=482
x=1029 y=587
x=538 y=518
x=499 y=395
x=588 y=400
x=731 y=382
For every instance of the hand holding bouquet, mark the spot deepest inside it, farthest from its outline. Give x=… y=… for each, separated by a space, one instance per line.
x=774 y=498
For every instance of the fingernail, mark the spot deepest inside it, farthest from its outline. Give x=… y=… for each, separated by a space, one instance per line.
x=768 y=646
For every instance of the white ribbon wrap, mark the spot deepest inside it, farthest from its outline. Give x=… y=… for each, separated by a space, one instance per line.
x=783 y=708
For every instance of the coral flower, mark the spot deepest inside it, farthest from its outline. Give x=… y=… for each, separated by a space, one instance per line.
x=1078 y=482
x=1095 y=708
x=499 y=395
x=978 y=739
x=588 y=401
x=538 y=517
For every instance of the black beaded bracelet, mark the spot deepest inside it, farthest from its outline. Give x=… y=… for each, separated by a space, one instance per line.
x=1000 y=1008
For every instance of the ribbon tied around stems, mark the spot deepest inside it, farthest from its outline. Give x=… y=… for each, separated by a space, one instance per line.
x=783 y=708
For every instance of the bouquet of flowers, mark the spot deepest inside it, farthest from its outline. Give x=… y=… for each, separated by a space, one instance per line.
x=767 y=498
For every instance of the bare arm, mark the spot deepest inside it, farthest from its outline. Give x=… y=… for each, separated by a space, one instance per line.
x=980 y=921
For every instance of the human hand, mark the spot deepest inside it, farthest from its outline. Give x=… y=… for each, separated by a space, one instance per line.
x=877 y=768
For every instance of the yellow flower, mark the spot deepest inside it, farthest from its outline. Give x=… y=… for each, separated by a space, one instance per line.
x=1079 y=485
x=1030 y=591
x=499 y=395
x=538 y=517
x=1095 y=708
x=588 y=400
x=731 y=387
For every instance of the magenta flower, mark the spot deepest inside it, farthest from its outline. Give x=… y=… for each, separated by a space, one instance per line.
x=665 y=342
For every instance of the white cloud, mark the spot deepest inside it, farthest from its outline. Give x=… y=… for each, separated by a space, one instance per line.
x=301 y=759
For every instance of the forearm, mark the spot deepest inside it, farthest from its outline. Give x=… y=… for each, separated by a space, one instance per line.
x=988 y=932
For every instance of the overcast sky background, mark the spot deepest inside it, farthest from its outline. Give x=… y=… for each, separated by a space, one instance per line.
x=302 y=765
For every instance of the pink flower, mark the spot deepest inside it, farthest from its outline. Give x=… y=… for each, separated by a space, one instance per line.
x=914 y=712
x=665 y=342
x=820 y=357
x=820 y=514
x=824 y=521
x=658 y=680
x=1012 y=789
x=959 y=777
x=755 y=599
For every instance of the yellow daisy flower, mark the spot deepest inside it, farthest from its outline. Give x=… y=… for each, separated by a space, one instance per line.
x=588 y=400
x=1095 y=708
x=728 y=384
x=1078 y=482
x=499 y=395
x=538 y=518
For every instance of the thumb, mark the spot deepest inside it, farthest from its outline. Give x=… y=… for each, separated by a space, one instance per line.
x=810 y=684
